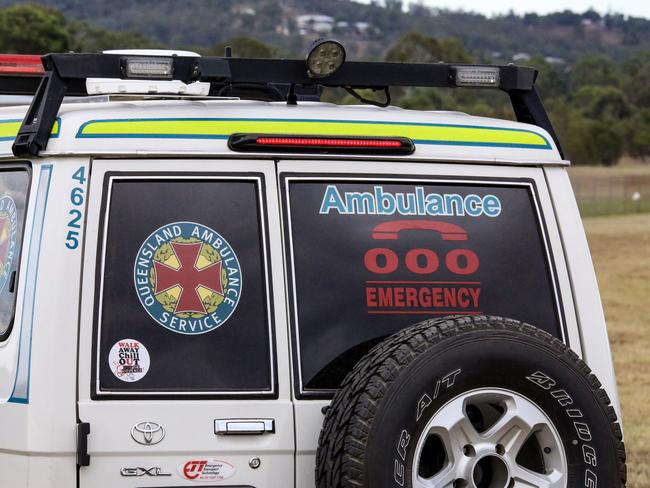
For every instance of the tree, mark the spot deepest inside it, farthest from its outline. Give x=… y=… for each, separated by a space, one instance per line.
x=417 y=48
x=587 y=141
x=602 y=102
x=637 y=134
x=414 y=47
x=33 y=29
x=636 y=79
x=606 y=144
x=594 y=69
x=592 y=15
x=394 y=6
x=531 y=19
x=551 y=82
x=422 y=99
x=639 y=143
x=565 y=18
x=242 y=47
x=90 y=39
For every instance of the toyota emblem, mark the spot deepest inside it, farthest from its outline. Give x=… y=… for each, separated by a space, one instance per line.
x=148 y=433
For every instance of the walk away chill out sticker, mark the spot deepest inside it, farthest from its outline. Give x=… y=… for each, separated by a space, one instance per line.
x=129 y=360
x=188 y=278
x=8 y=230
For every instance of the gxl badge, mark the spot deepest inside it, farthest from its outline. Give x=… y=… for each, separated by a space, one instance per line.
x=148 y=433
x=143 y=472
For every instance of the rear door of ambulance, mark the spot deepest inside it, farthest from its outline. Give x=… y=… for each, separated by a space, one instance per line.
x=375 y=246
x=183 y=369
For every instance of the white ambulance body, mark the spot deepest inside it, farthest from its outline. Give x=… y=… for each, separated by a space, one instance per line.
x=103 y=383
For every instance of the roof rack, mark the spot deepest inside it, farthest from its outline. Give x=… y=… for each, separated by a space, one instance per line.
x=66 y=75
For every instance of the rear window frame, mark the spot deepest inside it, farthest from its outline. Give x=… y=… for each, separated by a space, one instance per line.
x=286 y=178
x=27 y=167
x=96 y=393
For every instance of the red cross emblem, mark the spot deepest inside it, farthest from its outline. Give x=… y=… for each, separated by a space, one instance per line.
x=188 y=277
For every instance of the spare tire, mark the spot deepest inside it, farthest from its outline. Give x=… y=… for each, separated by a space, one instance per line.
x=479 y=401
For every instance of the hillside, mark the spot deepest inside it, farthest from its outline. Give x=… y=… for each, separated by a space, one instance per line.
x=594 y=71
x=366 y=28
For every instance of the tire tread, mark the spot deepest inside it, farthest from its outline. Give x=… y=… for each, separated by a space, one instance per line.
x=340 y=459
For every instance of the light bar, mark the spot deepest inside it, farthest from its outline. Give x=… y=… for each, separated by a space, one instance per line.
x=477 y=76
x=149 y=68
x=21 y=64
x=320 y=144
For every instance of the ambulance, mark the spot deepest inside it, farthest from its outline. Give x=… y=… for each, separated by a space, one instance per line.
x=210 y=278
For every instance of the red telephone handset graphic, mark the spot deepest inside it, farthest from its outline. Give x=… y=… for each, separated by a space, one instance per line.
x=385 y=261
x=391 y=230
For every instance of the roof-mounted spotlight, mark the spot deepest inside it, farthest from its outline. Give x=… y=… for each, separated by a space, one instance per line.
x=326 y=56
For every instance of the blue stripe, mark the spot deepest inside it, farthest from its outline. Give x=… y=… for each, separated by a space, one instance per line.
x=20 y=393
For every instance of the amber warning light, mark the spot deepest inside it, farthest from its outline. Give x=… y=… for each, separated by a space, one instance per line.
x=320 y=144
x=21 y=64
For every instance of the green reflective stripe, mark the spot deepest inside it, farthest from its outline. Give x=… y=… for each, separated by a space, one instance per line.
x=9 y=129
x=222 y=128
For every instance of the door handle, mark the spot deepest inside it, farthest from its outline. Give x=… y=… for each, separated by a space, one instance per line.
x=244 y=426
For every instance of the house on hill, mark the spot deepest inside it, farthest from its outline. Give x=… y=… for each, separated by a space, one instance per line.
x=314 y=24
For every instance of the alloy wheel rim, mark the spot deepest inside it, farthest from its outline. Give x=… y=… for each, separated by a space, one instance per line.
x=489 y=438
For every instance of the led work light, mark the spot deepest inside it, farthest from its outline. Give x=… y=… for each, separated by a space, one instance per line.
x=326 y=56
x=149 y=67
x=477 y=76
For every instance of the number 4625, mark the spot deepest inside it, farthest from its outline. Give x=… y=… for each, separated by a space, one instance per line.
x=77 y=199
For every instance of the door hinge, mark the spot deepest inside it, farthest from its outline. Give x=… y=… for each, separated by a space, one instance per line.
x=83 y=430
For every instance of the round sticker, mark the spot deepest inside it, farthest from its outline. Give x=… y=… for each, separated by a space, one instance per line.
x=8 y=230
x=129 y=360
x=188 y=278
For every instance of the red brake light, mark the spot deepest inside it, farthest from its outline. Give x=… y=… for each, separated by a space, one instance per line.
x=304 y=141
x=20 y=64
x=321 y=144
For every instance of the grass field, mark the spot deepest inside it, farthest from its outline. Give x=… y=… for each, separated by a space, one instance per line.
x=620 y=247
x=613 y=190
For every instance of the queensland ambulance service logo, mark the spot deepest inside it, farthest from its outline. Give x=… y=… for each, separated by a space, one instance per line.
x=188 y=278
x=8 y=230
